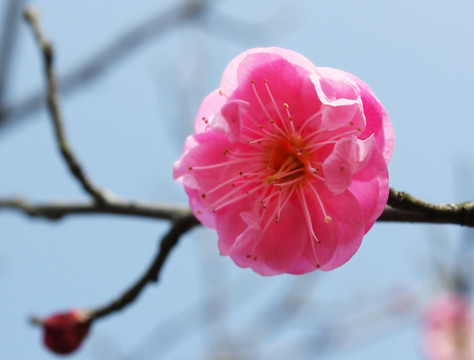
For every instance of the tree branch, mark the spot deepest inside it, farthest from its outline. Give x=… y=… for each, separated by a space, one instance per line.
x=404 y=207
x=8 y=41
x=180 y=226
x=401 y=207
x=59 y=210
x=108 y=56
x=53 y=106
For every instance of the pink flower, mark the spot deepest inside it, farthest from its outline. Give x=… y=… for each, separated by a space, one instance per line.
x=288 y=162
x=448 y=329
x=64 y=332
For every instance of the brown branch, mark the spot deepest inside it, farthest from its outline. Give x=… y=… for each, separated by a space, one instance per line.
x=53 y=106
x=168 y=242
x=108 y=56
x=403 y=207
x=59 y=210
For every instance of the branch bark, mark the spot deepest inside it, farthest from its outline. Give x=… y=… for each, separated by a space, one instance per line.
x=53 y=107
x=401 y=207
x=180 y=226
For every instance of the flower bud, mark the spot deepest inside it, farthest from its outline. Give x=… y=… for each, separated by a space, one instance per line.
x=64 y=332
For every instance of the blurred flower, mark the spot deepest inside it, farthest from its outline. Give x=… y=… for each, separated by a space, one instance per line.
x=288 y=162
x=64 y=332
x=448 y=329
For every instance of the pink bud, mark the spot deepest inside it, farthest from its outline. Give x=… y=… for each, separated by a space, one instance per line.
x=64 y=332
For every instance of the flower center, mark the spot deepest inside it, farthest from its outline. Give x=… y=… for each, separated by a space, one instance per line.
x=285 y=160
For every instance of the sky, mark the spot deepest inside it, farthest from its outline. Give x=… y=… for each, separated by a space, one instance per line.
x=127 y=126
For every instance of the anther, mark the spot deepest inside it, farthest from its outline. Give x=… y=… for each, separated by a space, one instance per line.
x=190 y=167
x=327 y=219
x=359 y=129
x=252 y=82
x=199 y=212
x=203 y=195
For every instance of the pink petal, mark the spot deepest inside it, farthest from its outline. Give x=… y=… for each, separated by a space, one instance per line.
x=340 y=97
x=229 y=120
x=340 y=238
x=378 y=122
x=211 y=104
x=277 y=82
x=229 y=78
x=272 y=252
x=203 y=149
x=370 y=187
x=349 y=156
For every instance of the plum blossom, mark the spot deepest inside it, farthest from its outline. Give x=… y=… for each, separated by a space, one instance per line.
x=63 y=333
x=288 y=163
x=448 y=329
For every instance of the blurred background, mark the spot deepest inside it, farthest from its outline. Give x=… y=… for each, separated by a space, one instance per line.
x=132 y=76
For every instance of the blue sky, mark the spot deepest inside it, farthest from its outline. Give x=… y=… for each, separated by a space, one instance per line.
x=128 y=126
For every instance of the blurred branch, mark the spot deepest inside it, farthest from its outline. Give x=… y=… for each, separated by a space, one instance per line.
x=180 y=226
x=53 y=106
x=108 y=56
x=58 y=210
x=7 y=44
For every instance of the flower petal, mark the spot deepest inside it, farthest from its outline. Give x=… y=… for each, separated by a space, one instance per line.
x=229 y=80
x=229 y=120
x=273 y=251
x=370 y=187
x=211 y=104
x=349 y=156
x=378 y=122
x=340 y=238
x=340 y=98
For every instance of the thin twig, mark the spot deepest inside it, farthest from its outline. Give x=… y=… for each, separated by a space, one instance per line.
x=12 y=10
x=53 y=106
x=109 y=55
x=59 y=210
x=168 y=242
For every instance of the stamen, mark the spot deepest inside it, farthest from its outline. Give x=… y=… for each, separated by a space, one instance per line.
x=304 y=206
x=260 y=101
x=257 y=241
x=214 y=206
x=273 y=101
x=290 y=118
x=286 y=195
x=308 y=120
x=288 y=174
x=327 y=219
x=286 y=183
x=221 y=185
